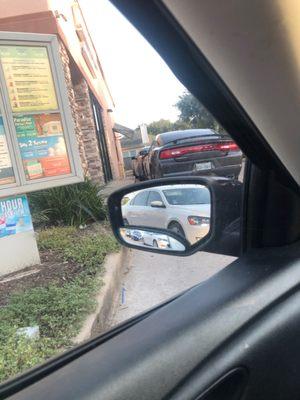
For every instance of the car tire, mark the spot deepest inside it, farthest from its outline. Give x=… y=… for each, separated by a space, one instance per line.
x=176 y=228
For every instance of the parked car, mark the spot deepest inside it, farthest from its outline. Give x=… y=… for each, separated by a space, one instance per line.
x=192 y=152
x=183 y=209
x=155 y=240
x=137 y=164
x=136 y=235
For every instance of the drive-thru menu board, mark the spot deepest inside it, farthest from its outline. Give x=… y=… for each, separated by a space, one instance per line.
x=38 y=147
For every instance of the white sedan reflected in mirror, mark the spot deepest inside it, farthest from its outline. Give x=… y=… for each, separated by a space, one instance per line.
x=183 y=210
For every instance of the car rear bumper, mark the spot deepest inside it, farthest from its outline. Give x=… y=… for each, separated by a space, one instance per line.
x=226 y=171
x=227 y=166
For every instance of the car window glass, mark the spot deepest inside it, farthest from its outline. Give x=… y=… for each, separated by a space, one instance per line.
x=140 y=199
x=54 y=303
x=187 y=196
x=154 y=196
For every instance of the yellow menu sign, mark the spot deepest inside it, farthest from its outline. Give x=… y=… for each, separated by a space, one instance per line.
x=28 y=78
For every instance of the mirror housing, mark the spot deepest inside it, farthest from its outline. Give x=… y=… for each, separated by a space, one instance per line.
x=157 y=204
x=224 y=234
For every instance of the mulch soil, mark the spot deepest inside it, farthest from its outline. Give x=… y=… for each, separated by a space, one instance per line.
x=51 y=270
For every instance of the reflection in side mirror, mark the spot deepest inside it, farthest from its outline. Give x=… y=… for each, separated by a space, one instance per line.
x=157 y=204
x=181 y=209
x=151 y=239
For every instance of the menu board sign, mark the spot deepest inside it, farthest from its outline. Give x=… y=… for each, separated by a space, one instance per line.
x=28 y=78
x=38 y=146
x=6 y=170
x=42 y=145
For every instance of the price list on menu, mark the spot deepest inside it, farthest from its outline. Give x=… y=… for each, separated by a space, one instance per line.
x=28 y=78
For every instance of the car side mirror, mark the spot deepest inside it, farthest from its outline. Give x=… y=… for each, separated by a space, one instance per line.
x=200 y=214
x=157 y=204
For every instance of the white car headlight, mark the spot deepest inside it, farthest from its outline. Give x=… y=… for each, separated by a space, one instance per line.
x=196 y=220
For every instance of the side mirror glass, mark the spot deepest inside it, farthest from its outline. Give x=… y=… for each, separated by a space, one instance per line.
x=151 y=239
x=178 y=215
x=171 y=217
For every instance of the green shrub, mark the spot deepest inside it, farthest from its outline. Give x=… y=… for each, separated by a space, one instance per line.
x=56 y=238
x=75 y=205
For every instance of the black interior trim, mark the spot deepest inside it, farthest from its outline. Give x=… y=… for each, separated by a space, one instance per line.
x=200 y=78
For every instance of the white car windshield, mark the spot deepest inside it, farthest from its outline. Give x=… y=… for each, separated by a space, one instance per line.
x=187 y=196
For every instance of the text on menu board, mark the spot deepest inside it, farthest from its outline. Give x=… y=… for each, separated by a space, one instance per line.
x=28 y=78
x=42 y=145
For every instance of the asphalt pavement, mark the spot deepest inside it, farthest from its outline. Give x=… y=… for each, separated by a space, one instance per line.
x=151 y=278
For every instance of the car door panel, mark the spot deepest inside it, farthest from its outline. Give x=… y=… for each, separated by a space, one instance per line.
x=156 y=216
x=231 y=320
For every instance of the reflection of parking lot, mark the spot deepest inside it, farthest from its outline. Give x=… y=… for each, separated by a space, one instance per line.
x=150 y=239
x=183 y=209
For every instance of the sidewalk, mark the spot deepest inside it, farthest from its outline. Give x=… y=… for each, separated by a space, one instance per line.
x=109 y=188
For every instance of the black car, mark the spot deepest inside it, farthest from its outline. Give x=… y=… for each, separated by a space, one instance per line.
x=193 y=152
x=137 y=163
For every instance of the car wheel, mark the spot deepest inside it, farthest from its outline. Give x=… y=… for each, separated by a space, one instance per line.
x=176 y=228
x=155 y=244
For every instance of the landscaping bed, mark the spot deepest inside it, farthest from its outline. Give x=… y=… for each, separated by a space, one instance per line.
x=56 y=295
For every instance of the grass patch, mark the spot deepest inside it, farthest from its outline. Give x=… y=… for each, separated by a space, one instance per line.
x=58 y=310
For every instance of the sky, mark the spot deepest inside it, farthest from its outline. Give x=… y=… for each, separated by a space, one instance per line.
x=142 y=86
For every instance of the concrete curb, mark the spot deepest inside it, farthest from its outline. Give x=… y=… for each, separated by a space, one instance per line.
x=107 y=298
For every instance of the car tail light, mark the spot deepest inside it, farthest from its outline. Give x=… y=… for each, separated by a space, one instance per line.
x=196 y=220
x=181 y=151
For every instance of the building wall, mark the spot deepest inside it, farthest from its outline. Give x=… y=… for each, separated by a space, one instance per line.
x=57 y=17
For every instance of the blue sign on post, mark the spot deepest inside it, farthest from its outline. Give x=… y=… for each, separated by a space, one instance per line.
x=14 y=215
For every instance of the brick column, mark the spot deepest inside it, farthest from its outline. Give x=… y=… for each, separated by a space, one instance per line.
x=79 y=99
x=88 y=129
x=74 y=107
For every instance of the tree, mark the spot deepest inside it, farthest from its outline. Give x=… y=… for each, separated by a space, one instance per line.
x=194 y=114
x=160 y=126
